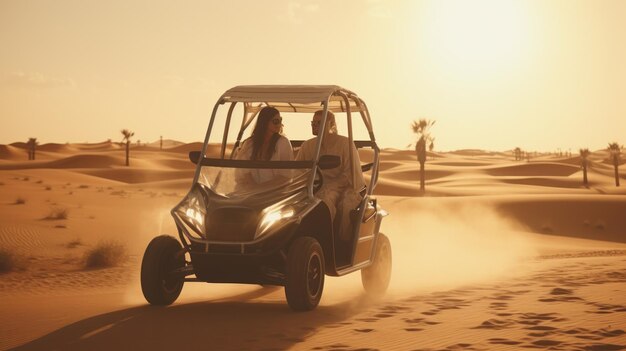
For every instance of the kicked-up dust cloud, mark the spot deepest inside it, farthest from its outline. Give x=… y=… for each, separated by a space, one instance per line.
x=436 y=243
x=444 y=244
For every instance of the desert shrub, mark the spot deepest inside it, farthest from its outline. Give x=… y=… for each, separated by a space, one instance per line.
x=20 y=201
x=26 y=179
x=39 y=181
x=57 y=213
x=74 y=243
x=83 y=186
x=105 y=254
x=48 y=187
x=10 y=261
x=1 y=183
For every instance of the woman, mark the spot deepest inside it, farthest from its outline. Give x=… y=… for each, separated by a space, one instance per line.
x=265 y=144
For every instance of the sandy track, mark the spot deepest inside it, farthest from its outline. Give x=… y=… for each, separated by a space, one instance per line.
x=572 y=304
x=470 y=269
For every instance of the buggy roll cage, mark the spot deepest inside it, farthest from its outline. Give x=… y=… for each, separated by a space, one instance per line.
x=291 y=98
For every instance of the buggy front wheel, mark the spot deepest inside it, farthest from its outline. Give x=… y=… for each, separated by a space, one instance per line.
x=305 y=274
x=163 y=255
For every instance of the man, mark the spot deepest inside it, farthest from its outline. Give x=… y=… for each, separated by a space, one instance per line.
x=342 y=185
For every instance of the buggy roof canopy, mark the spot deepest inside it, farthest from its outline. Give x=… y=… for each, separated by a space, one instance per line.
x=294 y=98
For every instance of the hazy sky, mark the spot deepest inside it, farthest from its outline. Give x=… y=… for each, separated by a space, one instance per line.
x=494 y=74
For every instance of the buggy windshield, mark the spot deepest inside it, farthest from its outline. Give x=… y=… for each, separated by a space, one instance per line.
x=242 y=178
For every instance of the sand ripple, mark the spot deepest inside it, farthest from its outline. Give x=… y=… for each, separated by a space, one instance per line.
x=20 y=237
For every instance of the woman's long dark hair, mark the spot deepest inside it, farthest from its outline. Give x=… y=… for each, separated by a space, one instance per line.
x=263 y=120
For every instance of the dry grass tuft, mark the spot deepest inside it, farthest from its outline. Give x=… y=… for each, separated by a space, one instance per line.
x=105 y=254
x=83 y=186
x=57 y=214
x=48 y=187
x=20 y=201
x=74 y=243
x=10 y=261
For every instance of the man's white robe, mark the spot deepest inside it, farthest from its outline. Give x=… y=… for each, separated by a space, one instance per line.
x=342 y=185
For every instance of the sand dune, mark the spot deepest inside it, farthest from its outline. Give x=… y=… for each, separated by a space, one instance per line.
x=167 y=144
x=413 y=175
x=592 y=216
x=12 y=153
x=534 y=169
x=101 y=146
x=53 y=147
x=78 y=161
x=186 y=148
x=496 y=254
x=176 y=163
x=19 y=144
x=477 y=152
x=139 y=175
x=553 y=182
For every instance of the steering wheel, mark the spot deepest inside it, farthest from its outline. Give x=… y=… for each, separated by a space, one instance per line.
x=318 y=181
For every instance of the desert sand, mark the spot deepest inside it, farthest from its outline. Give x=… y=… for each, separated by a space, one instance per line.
x=497 y=255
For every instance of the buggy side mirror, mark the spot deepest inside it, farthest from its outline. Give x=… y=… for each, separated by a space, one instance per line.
x=329 y=161
x=194 y=156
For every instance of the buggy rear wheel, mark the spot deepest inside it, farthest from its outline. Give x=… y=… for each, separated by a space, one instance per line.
x=376 y=277
x=305 y=274
x=163 y=255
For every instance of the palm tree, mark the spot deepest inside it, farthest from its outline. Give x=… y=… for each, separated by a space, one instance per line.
x=32 y=146
x=615 y=151
x=517 y=153
x=421 y=128
x=127 y=135
x=584 y=153
x=431 y=147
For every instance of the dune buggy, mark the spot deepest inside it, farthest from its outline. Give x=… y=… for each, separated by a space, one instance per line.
x=278 y=233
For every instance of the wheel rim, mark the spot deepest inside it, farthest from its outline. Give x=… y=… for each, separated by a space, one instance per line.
x=314 y=275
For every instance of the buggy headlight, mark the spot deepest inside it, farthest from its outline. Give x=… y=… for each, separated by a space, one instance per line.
x=281 y=213
x=192 y=211
x=272 y=217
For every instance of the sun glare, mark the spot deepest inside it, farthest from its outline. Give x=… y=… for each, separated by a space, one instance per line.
x=477 y=36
